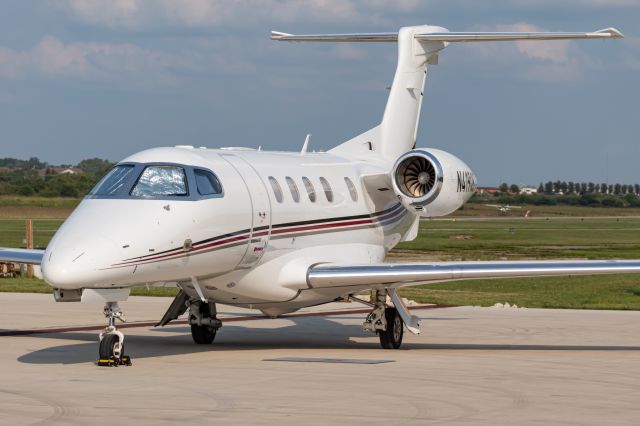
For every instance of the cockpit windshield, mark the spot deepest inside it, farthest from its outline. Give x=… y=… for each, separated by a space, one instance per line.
x=113 y=181
x=159 y=181
x=165 y=181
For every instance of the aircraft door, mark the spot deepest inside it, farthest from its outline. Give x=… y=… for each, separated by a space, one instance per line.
x=261 y=207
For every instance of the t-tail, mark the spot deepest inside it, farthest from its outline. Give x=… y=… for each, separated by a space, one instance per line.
x=418 y=47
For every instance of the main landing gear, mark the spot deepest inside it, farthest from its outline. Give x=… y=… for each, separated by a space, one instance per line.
x=111 y=350
x=203 y=321
x=389 y=322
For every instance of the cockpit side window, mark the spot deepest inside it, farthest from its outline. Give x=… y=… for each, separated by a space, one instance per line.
x=161 y=181
x=207 y=182
x=114 y=181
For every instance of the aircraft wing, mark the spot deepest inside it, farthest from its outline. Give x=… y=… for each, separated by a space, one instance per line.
x=30 y=256
x=362 y=277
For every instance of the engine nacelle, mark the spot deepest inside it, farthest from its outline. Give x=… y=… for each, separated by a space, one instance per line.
x=430 y=182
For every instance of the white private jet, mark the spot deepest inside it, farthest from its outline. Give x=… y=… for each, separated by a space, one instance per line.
x=503 y=208
x=279 y=231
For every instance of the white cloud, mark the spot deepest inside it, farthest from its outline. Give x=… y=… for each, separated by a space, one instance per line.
x=145 y=14
x=89 y=61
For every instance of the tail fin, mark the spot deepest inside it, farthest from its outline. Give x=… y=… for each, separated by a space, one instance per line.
x=417 y=48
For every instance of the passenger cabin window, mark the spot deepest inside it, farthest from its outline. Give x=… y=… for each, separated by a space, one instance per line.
x=113 y=181
x=277 y=191
x=293 y=188
x=161 y=181
x=207 y=182
x=327 y=189
x=311 y=191
x=352 y=189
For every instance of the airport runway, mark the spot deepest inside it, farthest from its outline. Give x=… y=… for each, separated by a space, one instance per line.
x=470 y=366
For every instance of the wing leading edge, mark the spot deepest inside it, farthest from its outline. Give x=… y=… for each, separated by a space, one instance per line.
x=407 y=274
x=29 y=256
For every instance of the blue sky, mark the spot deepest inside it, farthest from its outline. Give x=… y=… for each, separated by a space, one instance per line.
x=87 y=78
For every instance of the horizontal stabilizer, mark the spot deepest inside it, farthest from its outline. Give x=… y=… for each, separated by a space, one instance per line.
x=452 y=37
x=515 y=36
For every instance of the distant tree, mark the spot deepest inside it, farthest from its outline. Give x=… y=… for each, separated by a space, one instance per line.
x=556 y=186
x=571 y=187
x=563 y=187
x=514 y=188
x=548 y=187
x=597 y=188
x=625 y=188
x=504 y=187
x=583 y=188
x=610 y=189
x=540 y=188
x=632 y=199
x=33 y=163
x=636 y=187
x=95 y=166
x=591 y=187
x=603 y=188
x=617 y=189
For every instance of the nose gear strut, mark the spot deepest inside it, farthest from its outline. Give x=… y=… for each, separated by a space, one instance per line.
x=111 y=350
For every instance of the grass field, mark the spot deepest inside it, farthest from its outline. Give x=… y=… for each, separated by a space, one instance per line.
x=567 y=235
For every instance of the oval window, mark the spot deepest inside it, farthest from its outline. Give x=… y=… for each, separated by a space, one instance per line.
x=293 y=188
x=327 y=189
x=352 y=189
x=311 y=191
x=277 y=191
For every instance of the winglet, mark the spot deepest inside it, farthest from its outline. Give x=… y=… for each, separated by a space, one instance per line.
x=613 y=32
x=277 y=35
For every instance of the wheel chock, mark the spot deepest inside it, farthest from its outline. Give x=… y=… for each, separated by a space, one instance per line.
x=114 y=362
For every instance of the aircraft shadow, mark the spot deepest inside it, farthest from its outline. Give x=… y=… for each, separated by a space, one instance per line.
x=305 y=333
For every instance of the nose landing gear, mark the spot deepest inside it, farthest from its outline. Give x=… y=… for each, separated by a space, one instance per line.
x=111 y=349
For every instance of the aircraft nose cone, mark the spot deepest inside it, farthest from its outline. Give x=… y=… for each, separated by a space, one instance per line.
x=70 y=266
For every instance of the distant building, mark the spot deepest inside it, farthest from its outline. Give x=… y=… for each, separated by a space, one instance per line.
x=487 y=190
x=527 y=190
x=67 y=171
x=59 y=171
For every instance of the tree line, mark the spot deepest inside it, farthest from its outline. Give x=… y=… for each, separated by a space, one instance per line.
x=568 y=193
x=37 y=178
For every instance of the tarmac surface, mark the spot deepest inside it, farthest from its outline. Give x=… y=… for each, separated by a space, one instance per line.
x=469 y=366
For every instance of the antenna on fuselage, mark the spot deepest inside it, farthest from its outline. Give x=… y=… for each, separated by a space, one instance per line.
x=305 y=146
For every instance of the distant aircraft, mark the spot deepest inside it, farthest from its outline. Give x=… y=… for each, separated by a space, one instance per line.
x=279 y=231
x=503 y=208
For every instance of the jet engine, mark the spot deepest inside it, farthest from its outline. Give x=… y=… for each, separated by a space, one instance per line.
x=431 y=183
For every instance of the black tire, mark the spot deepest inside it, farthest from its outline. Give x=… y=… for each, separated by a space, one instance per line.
x=391 y=338
x=107 y=344
x=203 y=334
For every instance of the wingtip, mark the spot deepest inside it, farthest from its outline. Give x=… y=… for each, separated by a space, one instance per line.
x=277 y=35
x=613 y=32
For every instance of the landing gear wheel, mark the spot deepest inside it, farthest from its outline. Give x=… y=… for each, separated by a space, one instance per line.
x=391 y=338
x=203 y=334
x=107 y=346
x=111 y=348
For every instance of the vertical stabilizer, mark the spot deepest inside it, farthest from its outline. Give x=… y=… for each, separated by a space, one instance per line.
x=399 y=127
x=417 y=47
